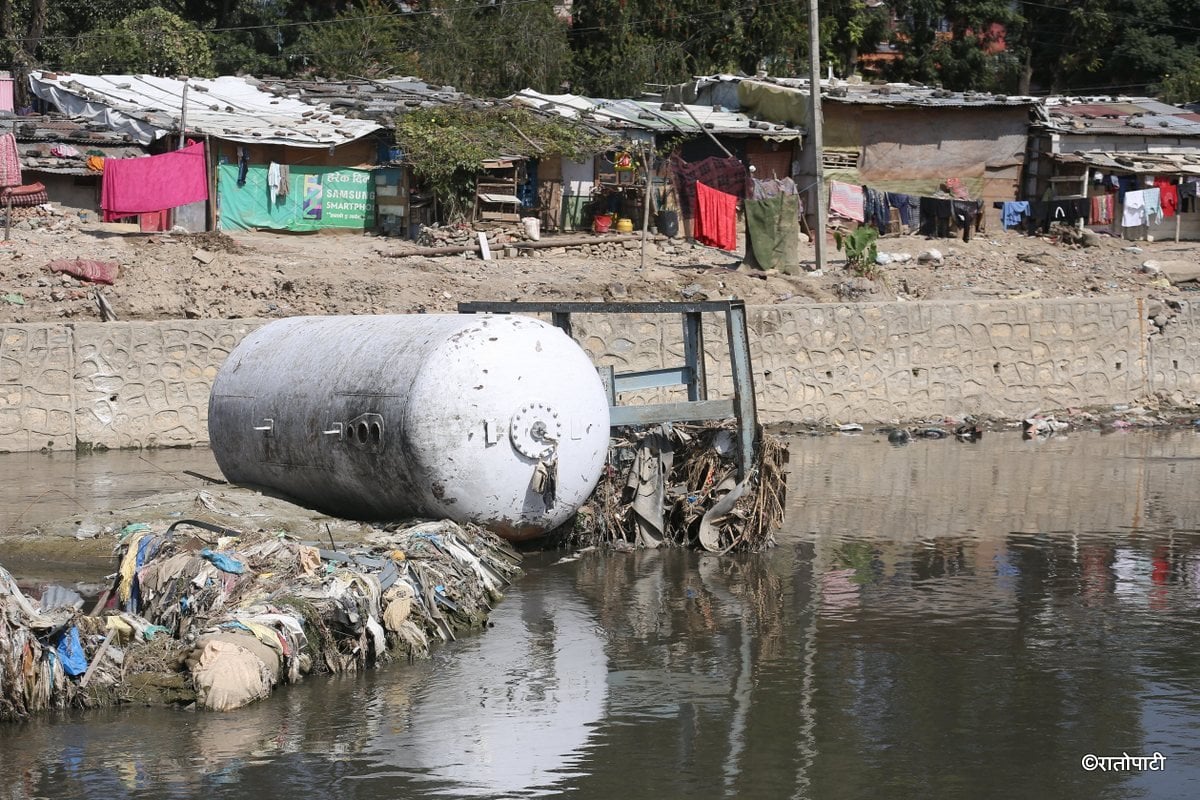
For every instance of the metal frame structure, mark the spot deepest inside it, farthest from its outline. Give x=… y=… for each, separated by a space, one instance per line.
x=692 y=373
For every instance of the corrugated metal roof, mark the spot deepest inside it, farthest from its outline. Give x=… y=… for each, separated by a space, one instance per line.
x=379 y=100
x=231 y=108
x=1137 y=163
x=56 y=128
x=1119 y=116
x=655 y=116
x=884 y=94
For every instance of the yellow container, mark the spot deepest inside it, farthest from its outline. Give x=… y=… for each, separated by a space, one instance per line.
x=624 y=225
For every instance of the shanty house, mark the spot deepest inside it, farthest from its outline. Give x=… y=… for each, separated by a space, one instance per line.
x=892 y=137
x=401 y=208
x=694 y=132
x=250 y=134
x=1090 y=147
x=55 y=151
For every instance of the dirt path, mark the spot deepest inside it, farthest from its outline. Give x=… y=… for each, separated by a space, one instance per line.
x=273 y=275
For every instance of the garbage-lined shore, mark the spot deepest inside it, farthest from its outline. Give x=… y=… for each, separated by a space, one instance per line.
x=202 y=612
x=220 y=594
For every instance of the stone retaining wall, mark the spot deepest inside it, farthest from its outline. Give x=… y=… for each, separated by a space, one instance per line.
x=116 y=384
x=145 y=384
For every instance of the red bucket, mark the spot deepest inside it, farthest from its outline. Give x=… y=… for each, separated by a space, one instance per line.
x=601 y=223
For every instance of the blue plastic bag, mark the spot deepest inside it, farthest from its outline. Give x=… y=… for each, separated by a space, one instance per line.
x=70 y=652
x=223 y=562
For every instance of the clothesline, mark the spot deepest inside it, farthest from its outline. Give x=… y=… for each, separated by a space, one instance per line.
x=1139 y=206
x=931 y=216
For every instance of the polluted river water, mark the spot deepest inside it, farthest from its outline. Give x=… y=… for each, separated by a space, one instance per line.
x=941 y=619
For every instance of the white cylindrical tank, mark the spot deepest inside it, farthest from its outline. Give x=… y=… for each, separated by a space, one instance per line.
x=495 y=419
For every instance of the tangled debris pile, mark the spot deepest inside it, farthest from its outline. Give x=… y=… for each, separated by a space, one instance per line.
x=201 y=612
x=677 y=484
x=39 y=649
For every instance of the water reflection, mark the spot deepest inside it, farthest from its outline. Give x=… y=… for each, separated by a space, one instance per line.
x=38 y=487
x=512 y=713
x=940 y=620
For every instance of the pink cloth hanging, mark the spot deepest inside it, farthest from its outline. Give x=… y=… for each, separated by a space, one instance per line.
x=10 y=162
x=141 y=185
x=846 y=200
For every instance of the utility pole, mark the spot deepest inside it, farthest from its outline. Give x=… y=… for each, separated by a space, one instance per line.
x=183 y=115
x=814 y=131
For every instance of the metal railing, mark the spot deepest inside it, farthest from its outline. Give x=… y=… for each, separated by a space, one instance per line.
x=692 y=373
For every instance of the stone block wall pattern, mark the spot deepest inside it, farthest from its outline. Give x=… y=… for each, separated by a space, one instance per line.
x=37 y=403
x=146 y=384
x=1175 y=354
x=886 y=361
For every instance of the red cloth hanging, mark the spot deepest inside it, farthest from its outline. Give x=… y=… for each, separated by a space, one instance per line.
x=716 y=218
x=1168 y=196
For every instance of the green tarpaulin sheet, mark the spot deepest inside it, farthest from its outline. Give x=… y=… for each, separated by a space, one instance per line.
x=780 y=104
x=773 y=233
x=317 y=197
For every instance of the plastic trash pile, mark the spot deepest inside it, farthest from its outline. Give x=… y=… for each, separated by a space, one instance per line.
x=201 y=612
x=41 y=651
x=677 y=484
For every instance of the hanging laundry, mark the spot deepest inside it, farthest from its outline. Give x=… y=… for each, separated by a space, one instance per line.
x=284 y=177
x=1013 y=213
x=773 y=233
x=907 y=205
x=140 y=185
x=875 y=209
x=243 y=165
x=716 y=218
x=957 y=189
x=765 y=190
x=1134 y=213
x=1168 y=194
x=1187 y=193
x=846 y=200
x=95 y=163
x=10 y=162
x=1063 y=211
x=1154 y=213
x=1039 y=217
x=32 y=194
x=965 y=214
x=935 y=216
x=1125 y=183
x=1102 y=209
x=726 y=175
x=273 y=182
x=1081 y=209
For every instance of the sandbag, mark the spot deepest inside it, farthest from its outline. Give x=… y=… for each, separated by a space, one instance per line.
x=229 y=676
x=399 y=606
